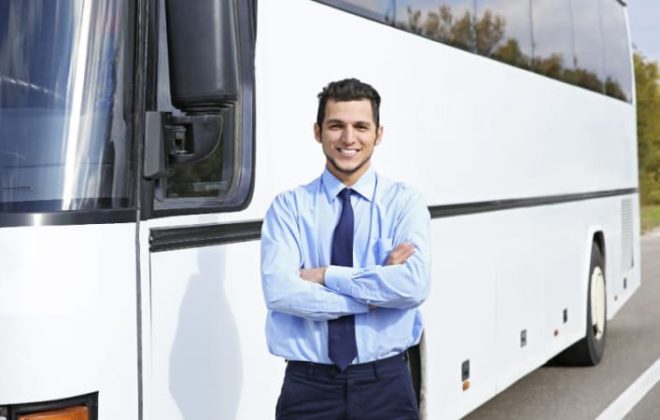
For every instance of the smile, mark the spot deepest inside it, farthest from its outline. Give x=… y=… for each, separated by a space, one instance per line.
x=347 y=152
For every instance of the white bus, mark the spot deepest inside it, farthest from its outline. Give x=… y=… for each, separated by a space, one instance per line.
x=142 y=141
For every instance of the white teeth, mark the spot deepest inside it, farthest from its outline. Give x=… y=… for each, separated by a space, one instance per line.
x=349 y=152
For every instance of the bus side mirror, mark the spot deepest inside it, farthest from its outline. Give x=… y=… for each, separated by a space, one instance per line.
x=204 y=82
x=202 y=36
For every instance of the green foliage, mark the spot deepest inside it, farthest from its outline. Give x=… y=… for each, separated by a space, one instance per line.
x=650 y=217
x=647 y=81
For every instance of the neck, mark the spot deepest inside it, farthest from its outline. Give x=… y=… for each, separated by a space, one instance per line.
x=348 y=178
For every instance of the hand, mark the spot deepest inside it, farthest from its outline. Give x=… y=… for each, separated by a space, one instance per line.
x=314 y=275
x=400 y=254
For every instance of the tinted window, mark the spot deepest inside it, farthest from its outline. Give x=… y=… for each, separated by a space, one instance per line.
x=588 y=44
x=448 y=21
x=503 y=29
x=618 y=71
x=380 y=10
x=553 y=38
x=65 y=106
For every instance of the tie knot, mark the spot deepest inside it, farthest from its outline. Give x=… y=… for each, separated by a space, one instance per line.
x=345 y=194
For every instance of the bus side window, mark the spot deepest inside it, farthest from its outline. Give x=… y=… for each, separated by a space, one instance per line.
x=588 y=44
x=378 y=10
x=505 y=33
x=618 y=71
x=447 y=21
x=553 y=39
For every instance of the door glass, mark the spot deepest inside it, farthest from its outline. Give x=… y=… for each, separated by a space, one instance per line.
x=65 y=105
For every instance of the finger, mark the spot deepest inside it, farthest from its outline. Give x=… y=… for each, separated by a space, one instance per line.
x=405 y=251
x=407 y=255
x=403 y=257
x=400 y=254
x=401 y=250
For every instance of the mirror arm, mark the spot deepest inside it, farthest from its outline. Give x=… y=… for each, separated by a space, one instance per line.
x=191 y=138
x=174 y=140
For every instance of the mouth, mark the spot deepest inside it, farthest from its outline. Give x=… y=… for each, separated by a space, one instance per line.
x=347 y=152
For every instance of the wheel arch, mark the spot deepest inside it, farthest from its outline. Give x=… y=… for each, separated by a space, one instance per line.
x=599 y=239
x=587 y=351
x=597 y=236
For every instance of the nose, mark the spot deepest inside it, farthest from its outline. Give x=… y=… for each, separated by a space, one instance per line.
x=348 y=135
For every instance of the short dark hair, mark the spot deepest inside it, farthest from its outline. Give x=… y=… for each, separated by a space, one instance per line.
x=348 y=90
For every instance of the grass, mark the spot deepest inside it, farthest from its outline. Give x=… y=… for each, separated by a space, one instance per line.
x=650 y=217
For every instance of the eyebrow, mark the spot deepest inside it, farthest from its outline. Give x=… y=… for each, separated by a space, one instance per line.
x=336 y=120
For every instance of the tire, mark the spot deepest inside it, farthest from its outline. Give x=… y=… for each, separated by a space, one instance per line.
x=589 y=350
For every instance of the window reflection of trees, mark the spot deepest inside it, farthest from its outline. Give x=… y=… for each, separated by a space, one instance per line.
x=450 y=24
x=553 y=39
x=487 y=34
x=618 y=80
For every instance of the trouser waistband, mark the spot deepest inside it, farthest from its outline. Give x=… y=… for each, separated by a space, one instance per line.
x=356 y=368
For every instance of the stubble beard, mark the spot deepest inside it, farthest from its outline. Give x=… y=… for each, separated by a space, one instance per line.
x=348 y=171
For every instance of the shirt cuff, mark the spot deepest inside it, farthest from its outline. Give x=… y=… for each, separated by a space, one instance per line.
x=339 y=279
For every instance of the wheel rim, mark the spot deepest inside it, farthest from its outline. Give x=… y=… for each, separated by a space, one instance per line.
x=598 y=302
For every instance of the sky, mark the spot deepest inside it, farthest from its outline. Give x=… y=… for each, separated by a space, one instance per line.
x=644 y=17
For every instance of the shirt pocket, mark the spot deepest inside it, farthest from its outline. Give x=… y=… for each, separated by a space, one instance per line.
x=383 y=248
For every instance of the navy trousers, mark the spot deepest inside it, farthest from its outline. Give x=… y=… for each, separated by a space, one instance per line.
x=378 y=390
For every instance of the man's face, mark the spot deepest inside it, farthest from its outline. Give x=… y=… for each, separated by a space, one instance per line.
x=348 y=136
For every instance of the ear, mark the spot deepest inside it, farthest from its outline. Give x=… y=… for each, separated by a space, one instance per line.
x=317 y=132
x=379 y=134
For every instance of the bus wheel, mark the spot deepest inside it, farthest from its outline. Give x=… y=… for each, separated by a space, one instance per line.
x=589 y=350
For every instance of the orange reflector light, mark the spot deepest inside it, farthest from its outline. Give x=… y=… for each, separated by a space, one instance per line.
x=71 y=413
x=466 y=385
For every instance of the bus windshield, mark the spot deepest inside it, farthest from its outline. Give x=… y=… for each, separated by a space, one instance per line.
x=65 y=106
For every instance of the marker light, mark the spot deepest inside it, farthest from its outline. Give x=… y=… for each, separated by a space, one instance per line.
x=71 y=413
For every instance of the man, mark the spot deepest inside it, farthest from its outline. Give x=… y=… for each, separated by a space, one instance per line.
x=345 y=264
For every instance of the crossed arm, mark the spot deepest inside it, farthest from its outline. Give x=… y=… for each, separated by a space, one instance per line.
x=398 y=255
x=323 y=293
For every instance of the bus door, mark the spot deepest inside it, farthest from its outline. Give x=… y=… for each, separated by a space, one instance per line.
x=196 y=243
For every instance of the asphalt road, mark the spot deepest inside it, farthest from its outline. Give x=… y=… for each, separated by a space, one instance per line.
x=633 y=346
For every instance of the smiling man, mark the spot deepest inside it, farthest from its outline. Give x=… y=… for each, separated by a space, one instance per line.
x=345 y=265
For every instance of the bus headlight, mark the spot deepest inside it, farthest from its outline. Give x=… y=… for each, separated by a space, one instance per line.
x=71 y=413
x=83 y=407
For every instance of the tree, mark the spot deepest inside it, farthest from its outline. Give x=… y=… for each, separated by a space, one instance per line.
x=647 y=81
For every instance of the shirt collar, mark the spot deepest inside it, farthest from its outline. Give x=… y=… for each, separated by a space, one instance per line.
x=364 y=186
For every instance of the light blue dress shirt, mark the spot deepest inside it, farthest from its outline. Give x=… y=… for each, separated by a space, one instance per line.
x=297 y=233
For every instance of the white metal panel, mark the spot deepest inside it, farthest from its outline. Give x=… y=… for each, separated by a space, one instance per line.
x=458 y=126
x=208 y=349
x=495 y=274
x=459 y=317
x=67 y=315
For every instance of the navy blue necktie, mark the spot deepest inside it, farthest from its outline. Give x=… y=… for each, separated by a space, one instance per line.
x=342 y=347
